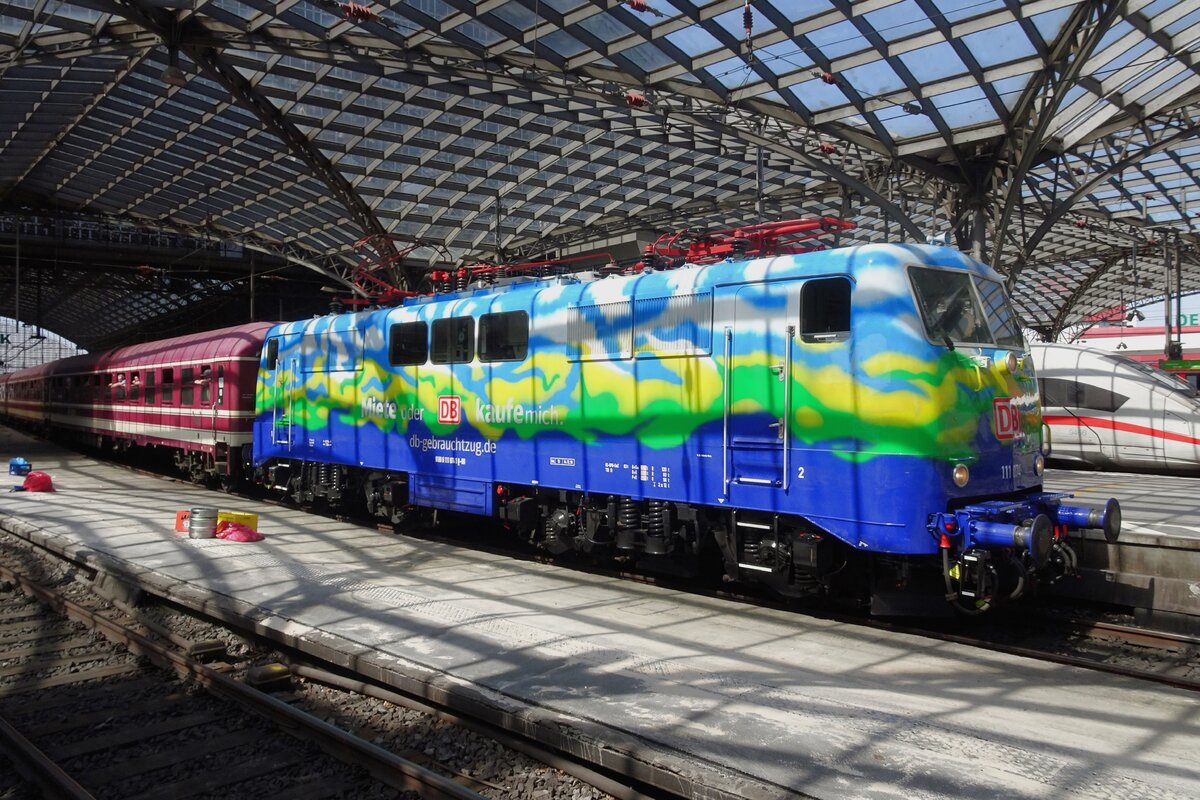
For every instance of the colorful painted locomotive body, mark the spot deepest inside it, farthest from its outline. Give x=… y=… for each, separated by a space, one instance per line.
x=866 y=411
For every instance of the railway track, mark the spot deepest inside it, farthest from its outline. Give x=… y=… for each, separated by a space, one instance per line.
x=99 y=700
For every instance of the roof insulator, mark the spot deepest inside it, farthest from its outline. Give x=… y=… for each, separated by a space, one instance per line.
x=827 y=77
x=748 y=24
x=358 y=13
x=636 y=99
x=642 y=5
x=913 y=108
x=827 y=148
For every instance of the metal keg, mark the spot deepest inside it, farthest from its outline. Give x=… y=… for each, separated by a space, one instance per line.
x=202 y=524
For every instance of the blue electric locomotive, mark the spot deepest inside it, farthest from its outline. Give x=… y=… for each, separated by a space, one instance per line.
x=866 y=415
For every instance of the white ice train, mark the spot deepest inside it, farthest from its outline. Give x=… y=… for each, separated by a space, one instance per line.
x=1110 y=412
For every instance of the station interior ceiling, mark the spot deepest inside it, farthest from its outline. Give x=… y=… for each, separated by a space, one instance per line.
x=175 y=165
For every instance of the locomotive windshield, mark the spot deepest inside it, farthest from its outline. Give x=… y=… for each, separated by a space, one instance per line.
x=954 y=314
x=1000 y=315
x=949 y=307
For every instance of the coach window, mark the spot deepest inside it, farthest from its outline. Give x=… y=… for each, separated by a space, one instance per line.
x=453 y=340
x=825 y=310
x=149 y=387
x=205 y=385
x=504 y=337
x=168 y=386
x=120 y=386
x=135 y=387
x=187 y=387
x=408 y=343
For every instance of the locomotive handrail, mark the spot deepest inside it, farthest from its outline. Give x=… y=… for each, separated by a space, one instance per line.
x=787 y=404
x=725 y=430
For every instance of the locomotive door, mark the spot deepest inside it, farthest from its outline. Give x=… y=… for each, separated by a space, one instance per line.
x=759 y=353
x=282 y=395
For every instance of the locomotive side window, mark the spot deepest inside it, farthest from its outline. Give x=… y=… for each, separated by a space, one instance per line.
x=150 y=394
x=272 y=356
x=453 y=340
x=1063 y=393
x=504 y=336
x=825 y=310
x=408 y=343
x=168 y=386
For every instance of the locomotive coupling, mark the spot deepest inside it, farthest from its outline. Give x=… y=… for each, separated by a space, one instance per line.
x=1107 y=519
x=1035 y=535
x=1034 y=524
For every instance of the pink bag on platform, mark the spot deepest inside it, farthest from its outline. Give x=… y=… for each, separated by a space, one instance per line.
x=237 y=532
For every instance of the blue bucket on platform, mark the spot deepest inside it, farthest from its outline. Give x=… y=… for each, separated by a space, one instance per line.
x=18 y=466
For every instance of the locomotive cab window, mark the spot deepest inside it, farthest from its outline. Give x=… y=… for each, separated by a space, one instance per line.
x=825 y=310
x=272 y=354
x=504 y=336
x=949 y=307
x=408 y=343
x=453 y=340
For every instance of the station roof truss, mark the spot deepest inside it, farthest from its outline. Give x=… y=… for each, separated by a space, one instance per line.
x=1057 y=140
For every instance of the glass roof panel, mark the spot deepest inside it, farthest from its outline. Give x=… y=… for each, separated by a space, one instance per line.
x=873 y=79
x=604 y=27
x=934 y=62
x=999 y=45
x=965 y=108
x=693 y=40
x=648 y=57
x=899 y=20
x=1183 y=23
x=838 y=39
x=957 y=10
x=796 y=10
x=1051 y=23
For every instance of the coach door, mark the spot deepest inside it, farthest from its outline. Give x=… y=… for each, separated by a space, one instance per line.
x=759 y=349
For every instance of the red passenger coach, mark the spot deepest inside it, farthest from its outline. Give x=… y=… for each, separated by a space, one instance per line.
x=192 y=394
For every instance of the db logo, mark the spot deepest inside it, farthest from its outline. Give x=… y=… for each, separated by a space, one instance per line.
x=449 y=409
x=1008 y=420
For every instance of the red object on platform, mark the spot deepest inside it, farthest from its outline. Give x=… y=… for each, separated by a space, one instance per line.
x=38 y=482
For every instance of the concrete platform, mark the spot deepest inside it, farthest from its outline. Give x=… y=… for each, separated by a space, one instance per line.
x=1155 y=566
x=652 y=682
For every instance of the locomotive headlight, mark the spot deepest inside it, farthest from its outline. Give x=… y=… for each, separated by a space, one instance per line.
x=1039 y=464
x=1011 y=363
x=961 y=475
